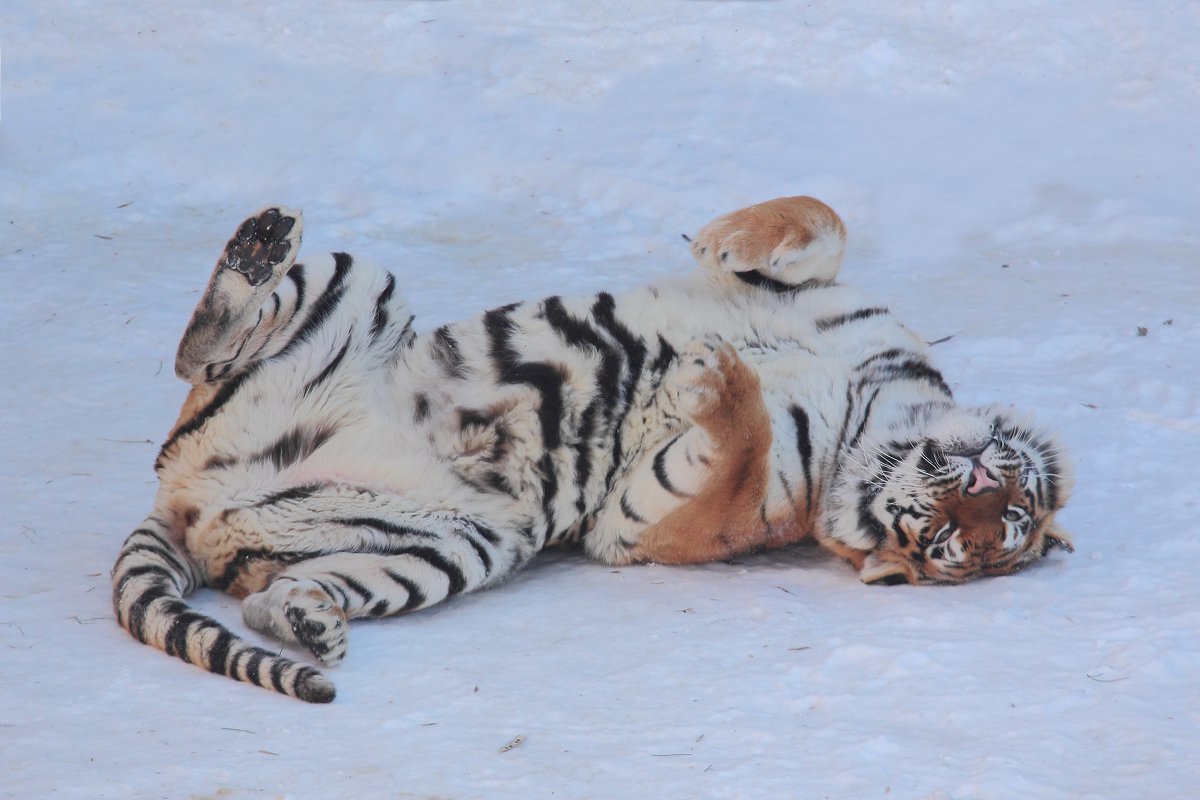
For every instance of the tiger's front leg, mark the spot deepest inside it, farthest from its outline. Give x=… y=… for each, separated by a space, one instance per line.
x=702 y=495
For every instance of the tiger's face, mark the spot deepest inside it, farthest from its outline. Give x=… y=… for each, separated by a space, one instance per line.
x=976 y=496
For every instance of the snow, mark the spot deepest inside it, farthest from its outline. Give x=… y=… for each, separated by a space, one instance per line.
x=1021 y=177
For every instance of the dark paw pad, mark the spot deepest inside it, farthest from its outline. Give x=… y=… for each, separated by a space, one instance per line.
x=259 y=244
x=310 y=633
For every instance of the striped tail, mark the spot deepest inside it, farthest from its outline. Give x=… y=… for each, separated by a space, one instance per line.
x=150 y=579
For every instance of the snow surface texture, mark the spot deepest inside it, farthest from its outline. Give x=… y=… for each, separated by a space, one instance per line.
x=1020 y=177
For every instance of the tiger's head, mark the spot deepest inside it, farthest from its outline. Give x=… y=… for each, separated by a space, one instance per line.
x=974 y=495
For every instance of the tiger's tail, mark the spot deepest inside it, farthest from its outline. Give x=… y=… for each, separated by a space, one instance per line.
x=150 y=579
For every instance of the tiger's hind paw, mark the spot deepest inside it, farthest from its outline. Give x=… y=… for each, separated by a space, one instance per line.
x=785 y=244
x=320 y=626
x=264 y=246
x=300 y=613
x=252 y=264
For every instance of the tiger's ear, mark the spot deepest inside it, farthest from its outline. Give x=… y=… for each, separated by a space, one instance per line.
x=1054 y=538
x=876 y=571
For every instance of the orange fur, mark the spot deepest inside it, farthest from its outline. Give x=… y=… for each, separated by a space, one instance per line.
x=725 y=516
x=750 y=236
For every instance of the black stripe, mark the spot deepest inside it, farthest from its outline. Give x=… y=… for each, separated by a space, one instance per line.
x=635 y=358
x=235 y=666
x=583 y=453
x=223 y=395
x=470 y=418
x=218 y=653
x=1036 y=496
x=804 y=448
x=157 y=550
x=787 y=487
x=136 y=615
x=573 y=330
x=660 y=470
x=845 y=421
x=166 y=547
x=866 y=416
x=886 y=355
x=358 y=588
x=913 y=370
x=293 y=446
x=383 y=526
x=329 y=369
x=256 y=657
x=543 y=377
x=756 y=278
x=628 y=511
x=581 y=335
x=302 y=492
x=826 y=323
x=165 y=580
x=549 y=491
x=278 y=665
x=489 y=535
x=867 y=521
x=494 y=480
x=420 y=408
x=444 y=349
x=334 y=590
x=435 y=559
x=416 y=598
x=296 y=276
x=1048 y=476
x=665 y=358
x=176 y=638
x=484 y=557
x=932 y=460
x=381 y=303
x=322 y=309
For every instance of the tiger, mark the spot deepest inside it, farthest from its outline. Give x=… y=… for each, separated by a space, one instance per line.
x=331 y=463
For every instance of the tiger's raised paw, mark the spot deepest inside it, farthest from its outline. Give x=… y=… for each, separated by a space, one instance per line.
x=254 y=261
x=263 y=243
x=786 y=244
x=300 y=613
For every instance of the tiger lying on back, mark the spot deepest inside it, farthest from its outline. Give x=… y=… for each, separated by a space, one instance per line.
x=330 y=463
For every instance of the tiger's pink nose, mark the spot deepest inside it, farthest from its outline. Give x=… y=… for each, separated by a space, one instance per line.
x=981 y=479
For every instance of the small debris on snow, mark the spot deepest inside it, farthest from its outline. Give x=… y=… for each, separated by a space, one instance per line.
x=1142 y=331
x=516 y=742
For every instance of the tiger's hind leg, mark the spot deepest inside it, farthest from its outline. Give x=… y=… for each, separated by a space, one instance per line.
x=700 y=496
x=786 y=244
x=309 y=603
x=232 y=311
x=331 y=553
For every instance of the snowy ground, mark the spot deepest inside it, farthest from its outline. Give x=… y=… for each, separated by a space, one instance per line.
x=1022 y=177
